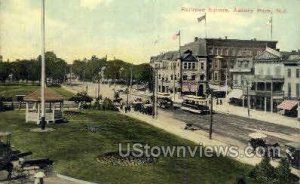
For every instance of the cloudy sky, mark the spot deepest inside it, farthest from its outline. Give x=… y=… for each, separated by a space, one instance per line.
x=128 y=29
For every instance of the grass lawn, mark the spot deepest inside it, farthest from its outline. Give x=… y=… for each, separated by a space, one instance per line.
x=24 y=89
x=74 y=151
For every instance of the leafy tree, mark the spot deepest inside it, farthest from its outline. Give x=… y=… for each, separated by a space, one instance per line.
x=283 y=172
x=4 y=71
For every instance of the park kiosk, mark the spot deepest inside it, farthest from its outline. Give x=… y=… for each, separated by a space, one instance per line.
x=53 y=106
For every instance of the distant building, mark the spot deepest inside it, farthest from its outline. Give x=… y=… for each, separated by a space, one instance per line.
x=1 y=58
x=168 y=71
x=221 y=54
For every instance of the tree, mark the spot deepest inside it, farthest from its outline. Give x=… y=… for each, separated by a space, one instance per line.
x=4 y=71
x=283 y=172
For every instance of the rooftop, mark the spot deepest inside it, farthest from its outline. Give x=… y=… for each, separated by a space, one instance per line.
x=50 y=96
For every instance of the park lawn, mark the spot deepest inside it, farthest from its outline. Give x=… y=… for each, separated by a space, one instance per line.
x=25 y=89
x=74 y=150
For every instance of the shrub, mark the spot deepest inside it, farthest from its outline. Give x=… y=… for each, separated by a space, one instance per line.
x=283 y=172
x=265 y=173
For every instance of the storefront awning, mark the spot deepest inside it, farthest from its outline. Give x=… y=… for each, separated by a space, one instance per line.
x=235 y=93
x=287 y=104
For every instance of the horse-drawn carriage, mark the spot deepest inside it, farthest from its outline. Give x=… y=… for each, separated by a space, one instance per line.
x=258 y=143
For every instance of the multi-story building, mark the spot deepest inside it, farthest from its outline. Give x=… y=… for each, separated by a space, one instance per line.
x=221 y=54
x=266 y=91
x=185 y=74
x=168 y=74
x=291 y=105
x=292 y=76
x=193 y=69
x=242 y=70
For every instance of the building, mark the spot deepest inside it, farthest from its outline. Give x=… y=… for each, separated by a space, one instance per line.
x=185 y=74
x=266 y=89
x=290 y=105
x=242 y=70
x=292 y=77
x=221 y=54
x=168 y=74
x=194 y=78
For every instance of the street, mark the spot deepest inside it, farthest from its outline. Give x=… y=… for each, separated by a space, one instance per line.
x=238 y=128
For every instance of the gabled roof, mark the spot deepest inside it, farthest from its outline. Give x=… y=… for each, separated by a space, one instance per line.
x=198 y=48
x=50 y=96
x=269 y=54
x=188 y=56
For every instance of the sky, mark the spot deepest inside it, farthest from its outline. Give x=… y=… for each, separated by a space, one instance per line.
x=135 y=30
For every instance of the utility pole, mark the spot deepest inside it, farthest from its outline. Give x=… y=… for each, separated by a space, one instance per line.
x=211 y=115
x=43 y=69
x=130 y=79
x=174 y=76
x=248 y=99
x=155 y=93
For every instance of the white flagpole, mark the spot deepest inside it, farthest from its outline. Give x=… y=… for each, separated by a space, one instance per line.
x=43 y=66
x=205 y=26
x=271 y=27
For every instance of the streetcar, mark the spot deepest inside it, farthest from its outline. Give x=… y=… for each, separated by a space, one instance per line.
x=195 y=104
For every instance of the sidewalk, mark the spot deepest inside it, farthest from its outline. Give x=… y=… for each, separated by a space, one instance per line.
x=258 y=115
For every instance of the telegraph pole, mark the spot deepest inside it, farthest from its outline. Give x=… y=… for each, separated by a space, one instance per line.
x=43 y=74
x=248 y=99
x=211 y=115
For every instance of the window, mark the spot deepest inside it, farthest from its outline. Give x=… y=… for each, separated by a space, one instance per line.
x=202 y=66
x=216 y=76
x=171 y=77
x=216 y=64
x=193 y=65
x=298 y=90
x=184 y=77
x=193 y=77
x=289 y=72
x=184 y=65
x=202 y=77
x=297 y=73
x=159 y=76
x=246 y=64
x=189 y=66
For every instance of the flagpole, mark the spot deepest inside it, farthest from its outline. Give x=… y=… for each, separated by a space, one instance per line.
x=271 y=27
x=43 y=123
x=205 y=27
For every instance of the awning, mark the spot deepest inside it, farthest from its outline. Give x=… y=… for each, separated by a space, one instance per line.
x=235 y=93
x=287 y=104
x=218 y=88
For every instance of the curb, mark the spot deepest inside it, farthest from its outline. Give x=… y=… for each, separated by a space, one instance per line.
x=74 y=179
